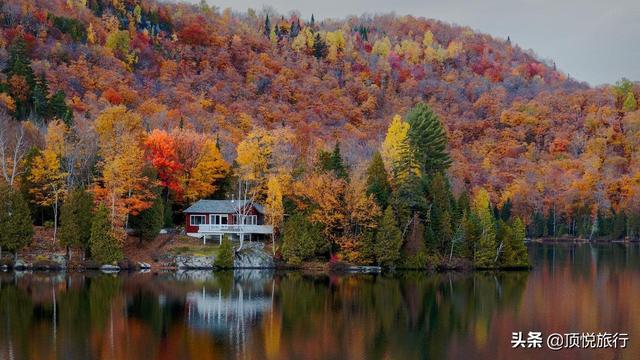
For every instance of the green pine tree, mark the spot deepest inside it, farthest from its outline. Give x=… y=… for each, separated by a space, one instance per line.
x=75 y=219
x=505 y=210
x=299 y=239
x=336 y=164
x=378 y=181
x=428 y=139
x=320 y=49
x=518 y=248
x=485 y=253
x=504 y=235
x=440 y=213
x=225 y=255
x=388 y=240
x=149 y=222
x=39 y=97
x=16 y=226
x=19 y=64
x=103 y=245
x=267 y=26
x=471 y=230
x=59 y=109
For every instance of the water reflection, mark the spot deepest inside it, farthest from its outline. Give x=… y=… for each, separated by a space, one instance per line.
x=290 y=315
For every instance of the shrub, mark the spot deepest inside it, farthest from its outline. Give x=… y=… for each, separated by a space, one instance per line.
x=224 y=258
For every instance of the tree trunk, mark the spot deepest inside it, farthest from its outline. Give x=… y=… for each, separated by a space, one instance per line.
x=68 y=253
x=55 y=219
x=555 y=234
x=273 y=242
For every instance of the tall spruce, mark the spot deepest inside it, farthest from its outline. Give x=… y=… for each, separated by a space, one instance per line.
x=428 y=139
x=388 y=240
x=59 y=109
x=520 y=253
x=336 y=163
x=378 y=181
x=16 y=229
x=150 y=221
x=103 y=244
x=75 y=220
x=320 y=48
x=440 y=214
x=485 y=252
x=299 y=239
x=19 y=65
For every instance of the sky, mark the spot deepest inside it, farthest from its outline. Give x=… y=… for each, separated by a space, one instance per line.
x=597 y=41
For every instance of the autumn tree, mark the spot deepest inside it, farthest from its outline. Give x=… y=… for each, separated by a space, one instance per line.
x=123 y=185
x=395 y=144
x=274 y=208
x=255 y=161
x=161 y=153
x=47 y=174
x=207 y=172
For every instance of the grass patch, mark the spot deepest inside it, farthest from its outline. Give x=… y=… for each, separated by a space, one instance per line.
x=195 y=250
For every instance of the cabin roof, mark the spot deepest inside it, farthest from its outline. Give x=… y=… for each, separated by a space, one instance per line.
x=220 y=206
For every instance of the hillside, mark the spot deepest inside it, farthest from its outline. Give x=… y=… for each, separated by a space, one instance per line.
x=516 y=125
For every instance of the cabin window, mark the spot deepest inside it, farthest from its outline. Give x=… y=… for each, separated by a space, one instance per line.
x=248 y=219
x=219 y=219
x=197 y=219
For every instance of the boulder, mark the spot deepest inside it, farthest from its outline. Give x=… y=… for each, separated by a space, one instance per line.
x=20 y=265
x=186 y=262
x=46 y=265
x=109 y=269
x=253 y=256
x=60 y=260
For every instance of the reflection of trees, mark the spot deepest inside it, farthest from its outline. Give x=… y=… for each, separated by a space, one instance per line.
x=255 y=315
x=409 y=316
x=16 y=311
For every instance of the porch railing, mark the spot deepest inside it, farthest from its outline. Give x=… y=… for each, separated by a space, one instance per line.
x=236 y=229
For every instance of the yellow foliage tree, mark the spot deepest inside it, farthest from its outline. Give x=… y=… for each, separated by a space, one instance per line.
x=209 y=169
x=382 y=47
x=47 y=174
x=123 y=185
x=427 y=40
x=274 y=208
x=255 y=160
x=394 y=142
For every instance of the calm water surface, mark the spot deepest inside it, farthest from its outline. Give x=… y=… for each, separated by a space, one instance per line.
x=266 y=315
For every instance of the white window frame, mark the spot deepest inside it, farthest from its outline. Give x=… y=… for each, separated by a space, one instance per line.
x=204 y=220
x=212 y=218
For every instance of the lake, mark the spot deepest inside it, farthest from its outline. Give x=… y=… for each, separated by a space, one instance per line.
x=290 y=315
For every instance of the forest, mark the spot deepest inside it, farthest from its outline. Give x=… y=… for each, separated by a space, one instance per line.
x=393 y=140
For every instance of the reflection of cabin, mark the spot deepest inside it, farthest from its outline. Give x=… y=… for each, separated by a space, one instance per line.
x=236 y=218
